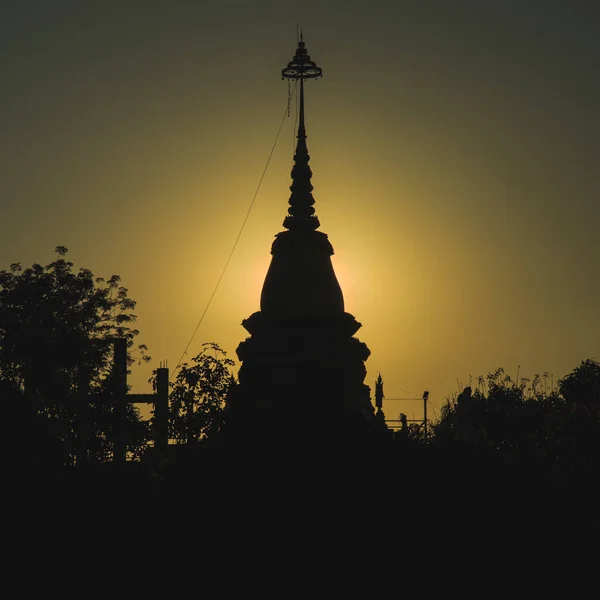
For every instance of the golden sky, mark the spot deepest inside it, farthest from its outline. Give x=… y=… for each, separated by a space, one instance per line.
x=454 y=146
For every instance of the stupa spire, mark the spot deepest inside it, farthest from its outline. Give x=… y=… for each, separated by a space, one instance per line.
x=301 y=213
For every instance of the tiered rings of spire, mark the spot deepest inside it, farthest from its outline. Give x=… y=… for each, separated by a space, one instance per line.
x=301 y=214
x=301 y=67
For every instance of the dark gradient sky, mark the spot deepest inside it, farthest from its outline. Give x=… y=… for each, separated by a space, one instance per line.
x=454 y=147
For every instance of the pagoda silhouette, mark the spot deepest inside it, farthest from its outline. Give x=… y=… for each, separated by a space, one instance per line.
x=302 y=366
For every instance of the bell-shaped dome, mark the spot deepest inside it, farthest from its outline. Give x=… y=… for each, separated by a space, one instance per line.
x=301 y=280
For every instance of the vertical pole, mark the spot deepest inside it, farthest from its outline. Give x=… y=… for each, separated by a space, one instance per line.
x=161 y=411
x=301 y=128
x=83 y=425
x=425 y=398
x=119 y=399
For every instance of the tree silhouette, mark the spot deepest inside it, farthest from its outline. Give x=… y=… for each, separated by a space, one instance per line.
x=554 y=433
x=57 y=328
x=582 y=386
x=198 y=394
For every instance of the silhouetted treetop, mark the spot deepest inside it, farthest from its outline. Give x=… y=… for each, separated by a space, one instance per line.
x=553 y=433
x=57 y=328
x=198 y=394
x=582 y=385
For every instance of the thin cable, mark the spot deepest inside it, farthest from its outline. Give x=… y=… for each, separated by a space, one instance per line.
x=237 y=239
x=404 y=399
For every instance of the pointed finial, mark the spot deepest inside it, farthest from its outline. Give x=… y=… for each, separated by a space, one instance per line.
x=301 y=214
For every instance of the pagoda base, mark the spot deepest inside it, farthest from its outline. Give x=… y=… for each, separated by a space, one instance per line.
x=303 y=373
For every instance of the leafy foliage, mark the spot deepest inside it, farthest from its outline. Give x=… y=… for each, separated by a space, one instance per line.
x=57 y=328
x=198 y=394
x=523 y=421
x=582 y=387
